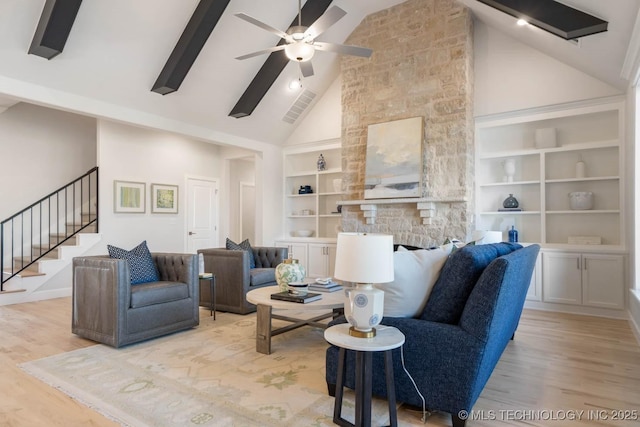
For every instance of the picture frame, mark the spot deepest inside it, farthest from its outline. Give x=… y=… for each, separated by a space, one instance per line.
x=393 y=166
x=128 y=197
x=164 y=198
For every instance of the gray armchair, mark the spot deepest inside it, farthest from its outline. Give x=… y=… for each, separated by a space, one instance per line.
x=108 y=309
x=234 y=278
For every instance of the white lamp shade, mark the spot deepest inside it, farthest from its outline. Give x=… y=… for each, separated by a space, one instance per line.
x=299 y=51
x=364 y=258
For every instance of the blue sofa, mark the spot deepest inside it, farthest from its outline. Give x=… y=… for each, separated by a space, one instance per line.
x=452 y=348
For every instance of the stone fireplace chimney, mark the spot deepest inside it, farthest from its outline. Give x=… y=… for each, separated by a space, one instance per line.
x=422 y=65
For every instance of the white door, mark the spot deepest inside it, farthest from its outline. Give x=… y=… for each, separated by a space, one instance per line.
x=202 y=214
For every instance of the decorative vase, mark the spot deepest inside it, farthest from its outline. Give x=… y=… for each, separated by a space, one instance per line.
x=289 y=271
x=510 y=202
x=322 y=165
x=581 y=169
x=509 y=166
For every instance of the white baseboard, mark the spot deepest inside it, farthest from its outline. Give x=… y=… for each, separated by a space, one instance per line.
x=634 y=312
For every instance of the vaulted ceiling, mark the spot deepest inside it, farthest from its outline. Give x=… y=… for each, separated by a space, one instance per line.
x=117 y=49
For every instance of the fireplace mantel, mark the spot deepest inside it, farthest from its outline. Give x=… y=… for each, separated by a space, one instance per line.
x=426 y=206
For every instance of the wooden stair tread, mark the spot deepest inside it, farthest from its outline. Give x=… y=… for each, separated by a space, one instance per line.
x=12 y=291
x=25 y=273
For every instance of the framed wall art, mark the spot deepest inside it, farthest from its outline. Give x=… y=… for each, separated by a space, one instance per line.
x=164 y=198
x=128 y=197
x=393 y=166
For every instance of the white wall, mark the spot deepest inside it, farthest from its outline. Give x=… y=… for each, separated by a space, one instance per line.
x=40 y=151
x=324 y=121
x=128 y=153
x=510 y=76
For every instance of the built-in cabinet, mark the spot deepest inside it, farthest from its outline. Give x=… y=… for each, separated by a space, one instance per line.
x=317 y=211
x=317 y=257
x=586 y=279
x=541 y=157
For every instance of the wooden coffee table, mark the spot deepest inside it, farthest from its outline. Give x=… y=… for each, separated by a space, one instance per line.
x=261 y=297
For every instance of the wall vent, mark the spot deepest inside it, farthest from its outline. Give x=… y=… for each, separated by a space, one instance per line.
x=298 y=107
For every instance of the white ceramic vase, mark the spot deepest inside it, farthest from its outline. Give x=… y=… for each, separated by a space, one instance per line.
x=509 y=166
x=289 y=271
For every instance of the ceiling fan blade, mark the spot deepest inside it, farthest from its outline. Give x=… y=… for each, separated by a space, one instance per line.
x=262 y=52
x=262 y=25
x=364 y=52
x=330 y=17
x=306 y=68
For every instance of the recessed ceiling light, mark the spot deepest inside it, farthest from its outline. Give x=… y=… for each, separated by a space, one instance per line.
x=295 y=84
x=521 y=22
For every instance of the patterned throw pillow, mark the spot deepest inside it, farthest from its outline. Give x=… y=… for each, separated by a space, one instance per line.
x=141 y=265
x=243 y=246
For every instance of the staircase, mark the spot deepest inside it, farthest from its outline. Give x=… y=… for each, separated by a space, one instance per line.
x=38 y=244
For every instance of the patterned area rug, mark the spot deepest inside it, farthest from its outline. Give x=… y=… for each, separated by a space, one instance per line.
x=209 y=376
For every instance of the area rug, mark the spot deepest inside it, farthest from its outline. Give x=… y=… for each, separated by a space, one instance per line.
x=208 y=376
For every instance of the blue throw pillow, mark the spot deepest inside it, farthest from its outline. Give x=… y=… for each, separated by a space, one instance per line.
x=141 y=265
x=243 y=246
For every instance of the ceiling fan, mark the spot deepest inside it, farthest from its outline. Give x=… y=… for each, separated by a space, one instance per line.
x=300 y=44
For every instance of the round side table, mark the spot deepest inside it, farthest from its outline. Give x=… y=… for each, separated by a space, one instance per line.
x=387 y=338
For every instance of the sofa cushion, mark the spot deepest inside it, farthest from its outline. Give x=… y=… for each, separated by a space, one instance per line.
x=260 y=276
x=457 y=279
x=242 y=246
x=415 y=272
x=158 y=293
x=141 y=266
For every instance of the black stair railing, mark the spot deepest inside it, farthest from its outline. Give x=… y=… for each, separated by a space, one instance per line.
x=35 y=231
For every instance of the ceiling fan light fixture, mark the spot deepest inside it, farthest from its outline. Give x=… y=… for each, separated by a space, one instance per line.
x=299 y=51
x=295 y=84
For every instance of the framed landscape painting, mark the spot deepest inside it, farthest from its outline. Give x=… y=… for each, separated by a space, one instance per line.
x=128 y=197
x=164 y=198
x=394 y=159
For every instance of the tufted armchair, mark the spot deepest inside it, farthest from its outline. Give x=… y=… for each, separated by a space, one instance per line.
x=108 y=309
x=234 y=278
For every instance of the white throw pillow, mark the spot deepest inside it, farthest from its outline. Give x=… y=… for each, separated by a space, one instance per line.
x=415 y=273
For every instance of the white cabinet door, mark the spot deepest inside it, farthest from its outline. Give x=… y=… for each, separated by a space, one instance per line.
x=296 y=251
x=534 y=293
x=331 y=253
x=562 y=278
x=603 y=280
x=318 y=260
x=322 y=259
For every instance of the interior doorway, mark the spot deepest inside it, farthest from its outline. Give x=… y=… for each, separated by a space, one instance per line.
x=202 y=214
x=242 y=199
x=248 y=211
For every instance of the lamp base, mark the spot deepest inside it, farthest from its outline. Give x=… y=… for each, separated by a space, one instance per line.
x=362 y=334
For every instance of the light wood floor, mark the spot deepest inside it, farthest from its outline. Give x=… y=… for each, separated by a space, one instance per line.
x=558 y=362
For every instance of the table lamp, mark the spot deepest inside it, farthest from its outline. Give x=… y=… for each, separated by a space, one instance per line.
x=364 y=259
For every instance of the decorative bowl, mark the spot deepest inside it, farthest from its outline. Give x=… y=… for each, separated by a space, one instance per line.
x=304 y=233
x=298 y=288
x=581 y=200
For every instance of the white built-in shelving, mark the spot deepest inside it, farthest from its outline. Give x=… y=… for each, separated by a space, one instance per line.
x=590 y=277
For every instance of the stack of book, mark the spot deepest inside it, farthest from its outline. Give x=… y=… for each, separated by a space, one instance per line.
x=329 y=286
x=302 y=299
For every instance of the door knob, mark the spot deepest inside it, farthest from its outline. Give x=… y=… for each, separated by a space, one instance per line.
x=191 y=233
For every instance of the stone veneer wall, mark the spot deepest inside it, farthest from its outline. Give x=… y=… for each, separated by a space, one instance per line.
x=422 y=65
